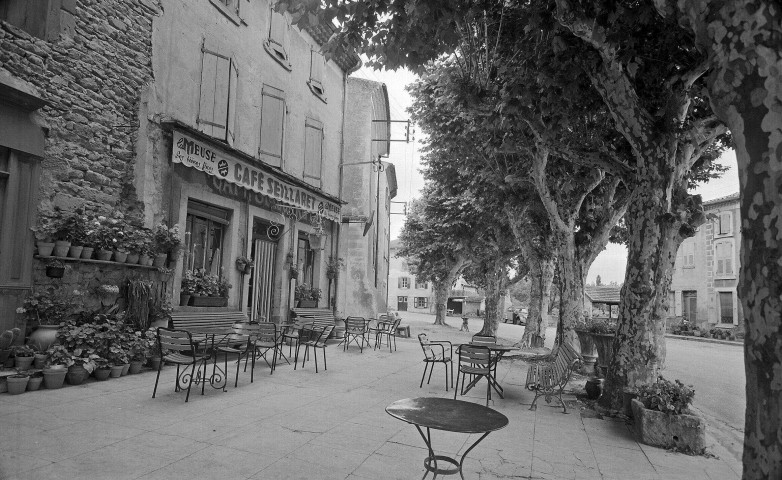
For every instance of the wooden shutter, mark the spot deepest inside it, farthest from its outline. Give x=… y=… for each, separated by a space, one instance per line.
x=233 y=86
x=213 y=109
x=18 y=200
x=718 y=249
x=272 y=122
x=725 y=223
x=313 y=143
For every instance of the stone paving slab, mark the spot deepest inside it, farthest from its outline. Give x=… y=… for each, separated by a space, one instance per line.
x=298 y=424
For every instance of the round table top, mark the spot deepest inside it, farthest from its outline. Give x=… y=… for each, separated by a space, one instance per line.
x=447 y=414
x=495 y=346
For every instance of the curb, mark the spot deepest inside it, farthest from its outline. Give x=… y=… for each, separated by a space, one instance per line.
x=705 y=340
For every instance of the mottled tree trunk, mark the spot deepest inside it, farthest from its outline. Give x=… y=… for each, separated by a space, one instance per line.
x=440 y=300
x=572 y=277
x=541 y=275
x=495 y=290
x=654 y=237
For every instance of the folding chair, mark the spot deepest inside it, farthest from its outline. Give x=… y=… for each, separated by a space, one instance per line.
x=355 y=329
x=317 y=340
x=474 y=361
x=182 y=352
x=430 y=357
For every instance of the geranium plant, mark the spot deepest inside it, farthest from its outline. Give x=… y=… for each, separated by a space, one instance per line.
x=76 y=225
x=669 y=397
x=199 y=282
x=51 y=305
x=305 y=292
x=167 y=239
x=57 y=355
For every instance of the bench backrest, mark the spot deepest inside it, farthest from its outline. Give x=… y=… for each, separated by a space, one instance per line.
x=201 y=320
x=321 y=317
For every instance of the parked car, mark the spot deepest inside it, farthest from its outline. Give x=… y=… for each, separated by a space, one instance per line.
x=517 y=316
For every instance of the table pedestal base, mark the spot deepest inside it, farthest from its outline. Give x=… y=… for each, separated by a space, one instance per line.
x=454 y=466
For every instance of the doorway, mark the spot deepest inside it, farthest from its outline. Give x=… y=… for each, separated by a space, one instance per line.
x=401 y=304
x=690 y=306
x=262 y=280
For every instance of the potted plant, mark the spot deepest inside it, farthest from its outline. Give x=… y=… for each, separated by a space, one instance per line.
x=83 y=340
x=7 y=339
x=101 y=237
x=102 y=369
x=293 y=272
x=55 y=366
x=55 y=268
x=76 y=226
x=244 y=264
x=662 y=417
x=207 y=289
x=333 y=266
x=45 y=309
x=306 y=296
x=140 y=348
x=35 y=381
x=188 y=288
x=166 y=242
x=156 y=355
x=62 y=244
x=44 y=234
x=17 y=383
x=24 y=356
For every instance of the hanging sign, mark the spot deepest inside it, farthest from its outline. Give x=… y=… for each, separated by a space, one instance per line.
x=199 y=155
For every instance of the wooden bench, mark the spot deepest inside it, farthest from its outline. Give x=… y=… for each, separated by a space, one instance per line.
x=320 y=317
x=547 y=376
x=403 y=331
x=194 y=321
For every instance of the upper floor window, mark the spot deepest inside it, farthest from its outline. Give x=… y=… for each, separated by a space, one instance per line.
x=317 y=67
x=272 y=126
x=313 y=148
x=723 y=258
x=277 y=43
x=229 y=8
x=688 y=254
x=725 y=223
x=217 y=107
x=404 y=282
x=421 y=285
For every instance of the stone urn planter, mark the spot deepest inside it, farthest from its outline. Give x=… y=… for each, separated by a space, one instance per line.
x=43 y=337
x=684 y=432
x=604 y=344
x=588 y=351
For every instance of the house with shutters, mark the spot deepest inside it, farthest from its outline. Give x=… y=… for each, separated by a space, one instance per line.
x=217 y=116
x=706 y=272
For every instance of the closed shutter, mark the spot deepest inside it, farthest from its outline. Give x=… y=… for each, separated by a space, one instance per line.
x=718 y=254
x=233 y=86
x=272 y=122
x=213 y=109
x=18 y=199
x=399 y=282
x=313 y=142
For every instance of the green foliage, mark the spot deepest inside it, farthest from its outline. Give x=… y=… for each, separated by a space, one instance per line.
x=52 y=305
x=669 y=397
x=167 y=239
x=305 y=292
x=22 y=351
x=99 y=340
x=200 y=282
x=333 y=266
x=57 y=355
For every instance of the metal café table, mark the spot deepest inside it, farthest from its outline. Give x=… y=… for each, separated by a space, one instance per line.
x=451 y=416
x=500 y=350
x=208 y=339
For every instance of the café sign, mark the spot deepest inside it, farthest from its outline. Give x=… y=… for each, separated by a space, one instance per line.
x=197 y=154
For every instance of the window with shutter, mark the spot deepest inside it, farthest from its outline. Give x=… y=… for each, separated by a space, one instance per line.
x=217 y=107
x=404 y=282
x=723 y=255
x=272 y=126
x=229 y=8
x=317 y=67
x=277 y=43
x=725 y=223
x=18 y=197
x=313 y=148
x=688 y=253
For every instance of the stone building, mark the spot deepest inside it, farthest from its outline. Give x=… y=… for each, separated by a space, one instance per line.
x=705 y=277
x=214 y=115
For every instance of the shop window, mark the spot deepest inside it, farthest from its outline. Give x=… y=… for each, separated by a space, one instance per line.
x=316 y=82
x=277 y=42
x=723 y=255
x=305 y=257
x=421 y=285
x=272 y=126
x=204 y=234
x=313 y=148
x=18 y=198
x=421 y=302
x=217 y=107
x=404 y=282
x=229 y=8
x=725 y=223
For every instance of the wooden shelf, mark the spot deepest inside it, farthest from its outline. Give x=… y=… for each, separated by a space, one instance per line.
x=100 y=262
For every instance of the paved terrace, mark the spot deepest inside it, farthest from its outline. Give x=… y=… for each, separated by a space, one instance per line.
x=330 y=425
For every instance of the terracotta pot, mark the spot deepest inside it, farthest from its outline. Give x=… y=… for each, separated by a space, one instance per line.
x=45 y=249
x=61 y=248
x=76 y=375
x=24 y=363
x=160 y=260
x=120 y=257
x=17 y=384
x=125 y=368
x=75 y=251
x=86 y=253
x=53 y=378
x=40 y=358
x=184 y=299
x=102 y=374
x=34 y=383
x=135 y=367
x=144 y=259
x=43 y=337
x=132 y=258
x=116 y=371
x=104 y=255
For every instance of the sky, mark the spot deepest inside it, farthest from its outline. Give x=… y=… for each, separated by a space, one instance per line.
x=610 y=264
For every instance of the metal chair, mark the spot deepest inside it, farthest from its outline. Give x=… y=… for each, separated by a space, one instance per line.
x=317 y=340
x=430 y=357
x=387 y=328
x=238 y=343
x=182 y=351
x=266 y=339
x=478 y=339
x=475 y=361
x=355 y=329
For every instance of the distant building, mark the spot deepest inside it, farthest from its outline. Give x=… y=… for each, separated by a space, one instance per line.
x=599 y=301
x=705 y=277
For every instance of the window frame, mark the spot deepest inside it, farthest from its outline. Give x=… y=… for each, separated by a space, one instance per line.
x=276 y=93
x=420 y=302
x=728 y=242
x=311 y=123
x=404 y=282
x=210 y=215
x=719 y=226
x=418 y=285
x=232 y=14
x=277 y=47
x=733 y=306
x=316 y=83
x=688 y=254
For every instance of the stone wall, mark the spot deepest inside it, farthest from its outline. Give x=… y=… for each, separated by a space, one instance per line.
x=92 y=75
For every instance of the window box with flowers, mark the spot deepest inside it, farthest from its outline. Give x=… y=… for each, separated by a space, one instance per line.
x=306 y=296
x=205 y=289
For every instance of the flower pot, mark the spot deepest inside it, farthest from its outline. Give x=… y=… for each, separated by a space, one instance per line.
x=184 y=299
x=43 y=337
x=144 y=260
x=61 y=248
x=103 y=373
x=55 y=272
x=132 y=258
x=39 y=360
x=104 y=255
x=198 y=301
x=17 y=384
x=34 y=383
x=86 y=253
x=24 y=363
x=154 y=362
x=125 y=368
x=308 y=304
x=594 y=388
x=120 y=257
x=604 y=344
x=53 y=378
x=160 y=260
x=116 y=371
x=75 y=251
x=135 y=367
x=683 y=432
x=76 y=375
x=45 y=249
x=588 y=350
